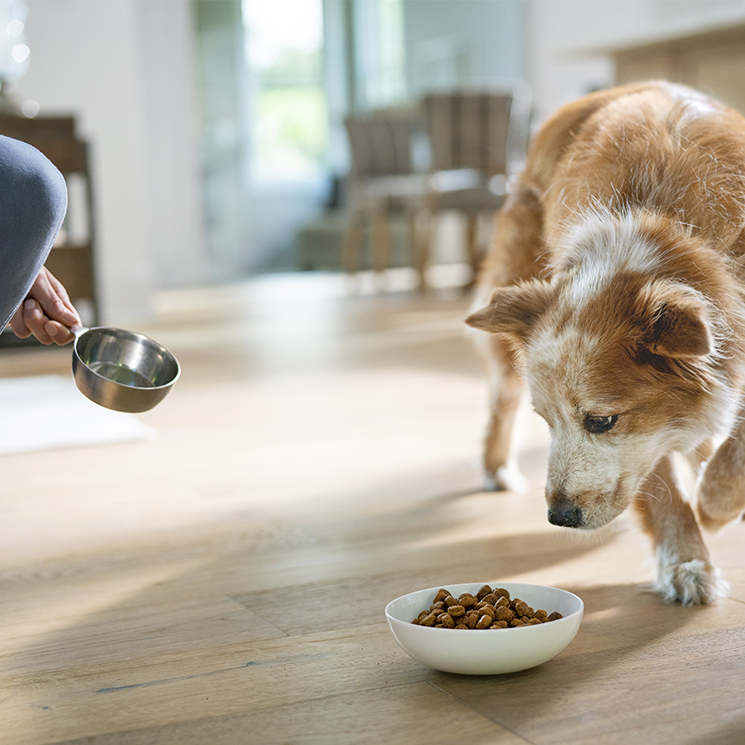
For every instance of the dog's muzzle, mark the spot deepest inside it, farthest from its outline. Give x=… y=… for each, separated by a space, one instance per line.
x=565 y=513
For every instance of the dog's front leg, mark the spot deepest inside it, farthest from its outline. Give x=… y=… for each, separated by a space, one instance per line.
x=721 y=492
x=517 y=254
x=505 y=390
x=684 y=572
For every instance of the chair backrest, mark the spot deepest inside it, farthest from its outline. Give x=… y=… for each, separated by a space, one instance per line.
x=469 y=129
x=381 y=142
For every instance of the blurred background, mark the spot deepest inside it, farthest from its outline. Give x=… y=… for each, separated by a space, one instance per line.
x=217 y=132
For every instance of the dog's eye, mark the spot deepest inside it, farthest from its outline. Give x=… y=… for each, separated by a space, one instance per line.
x=598 y=424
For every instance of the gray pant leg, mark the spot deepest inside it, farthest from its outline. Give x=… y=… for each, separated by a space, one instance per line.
x=33 y=202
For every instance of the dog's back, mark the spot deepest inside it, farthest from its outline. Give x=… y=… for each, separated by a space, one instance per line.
x=656 y=145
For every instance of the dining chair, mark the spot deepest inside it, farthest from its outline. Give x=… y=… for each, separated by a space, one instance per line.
x=384 y=180
x=477 y=139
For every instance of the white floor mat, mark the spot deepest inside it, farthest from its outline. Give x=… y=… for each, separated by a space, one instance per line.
x=45 y=412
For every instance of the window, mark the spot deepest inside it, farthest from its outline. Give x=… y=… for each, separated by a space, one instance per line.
x=289 y=120
x=379 y=31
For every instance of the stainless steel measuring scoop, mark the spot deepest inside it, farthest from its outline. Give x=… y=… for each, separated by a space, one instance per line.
x=122 y=370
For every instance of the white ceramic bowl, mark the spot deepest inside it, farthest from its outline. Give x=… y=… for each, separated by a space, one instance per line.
x=489 y=651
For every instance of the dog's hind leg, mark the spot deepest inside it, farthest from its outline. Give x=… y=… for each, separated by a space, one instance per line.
x=517 y=254
x=684 y=572
x=721 y=491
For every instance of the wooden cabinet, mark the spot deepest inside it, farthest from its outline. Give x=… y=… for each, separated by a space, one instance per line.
x=712 y=60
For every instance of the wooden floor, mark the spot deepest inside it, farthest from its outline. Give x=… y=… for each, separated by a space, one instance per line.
x=225 y=582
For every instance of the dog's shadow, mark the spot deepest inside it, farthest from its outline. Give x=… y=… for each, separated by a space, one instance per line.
x=626 y=618
x=620 y=650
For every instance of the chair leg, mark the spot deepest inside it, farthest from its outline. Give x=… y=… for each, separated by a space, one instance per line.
x=419 y=240
x=351 y=258
x=381 y=243
x=472 y=246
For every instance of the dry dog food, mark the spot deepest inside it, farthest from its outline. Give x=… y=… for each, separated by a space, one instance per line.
x=487 y=609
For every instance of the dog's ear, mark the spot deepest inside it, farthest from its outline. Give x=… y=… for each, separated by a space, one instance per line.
x=513 y=310
x=674 y=320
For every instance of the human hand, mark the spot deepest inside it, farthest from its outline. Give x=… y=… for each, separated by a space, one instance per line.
x=47 y=312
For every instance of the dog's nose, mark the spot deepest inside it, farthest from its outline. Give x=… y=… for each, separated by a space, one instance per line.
x=565 y=513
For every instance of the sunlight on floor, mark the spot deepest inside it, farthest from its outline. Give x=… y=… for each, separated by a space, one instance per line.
x=58 y=609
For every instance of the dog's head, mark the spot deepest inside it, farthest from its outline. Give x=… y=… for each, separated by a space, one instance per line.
x=623 y=372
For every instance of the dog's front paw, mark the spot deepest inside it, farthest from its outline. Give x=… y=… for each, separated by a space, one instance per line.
x=693 y=582
x=507 y=479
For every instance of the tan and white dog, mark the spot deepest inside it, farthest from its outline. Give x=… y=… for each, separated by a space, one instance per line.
x=615 y=290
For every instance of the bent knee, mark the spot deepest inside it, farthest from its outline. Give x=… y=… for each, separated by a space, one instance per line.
x=37 y=186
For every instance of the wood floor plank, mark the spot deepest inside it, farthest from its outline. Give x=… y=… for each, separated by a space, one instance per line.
x=223 y=681
x=402 y=715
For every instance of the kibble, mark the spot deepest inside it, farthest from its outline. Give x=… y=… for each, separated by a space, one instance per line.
x=484 y=622
x=487 y=609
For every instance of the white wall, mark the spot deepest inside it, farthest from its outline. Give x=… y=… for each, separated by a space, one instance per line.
x=125 y=69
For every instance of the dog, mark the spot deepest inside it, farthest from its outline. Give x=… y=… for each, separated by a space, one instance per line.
x=614 y=289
